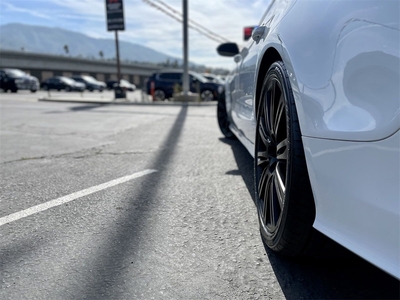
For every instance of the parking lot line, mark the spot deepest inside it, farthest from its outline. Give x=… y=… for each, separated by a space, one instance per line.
x=68 y=198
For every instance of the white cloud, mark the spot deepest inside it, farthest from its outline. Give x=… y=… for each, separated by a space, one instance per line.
x=12 y=8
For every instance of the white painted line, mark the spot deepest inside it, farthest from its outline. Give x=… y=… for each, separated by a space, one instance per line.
x=56 y=202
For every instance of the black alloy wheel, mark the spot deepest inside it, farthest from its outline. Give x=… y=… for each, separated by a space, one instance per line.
x=283 y=193
x=159 y=95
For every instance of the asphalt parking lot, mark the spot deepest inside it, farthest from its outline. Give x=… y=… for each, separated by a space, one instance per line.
x=106 y=201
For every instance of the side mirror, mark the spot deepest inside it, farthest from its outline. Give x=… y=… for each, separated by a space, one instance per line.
x=228 y=49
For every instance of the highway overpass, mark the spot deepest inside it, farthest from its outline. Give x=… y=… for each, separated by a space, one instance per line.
x=44 y=66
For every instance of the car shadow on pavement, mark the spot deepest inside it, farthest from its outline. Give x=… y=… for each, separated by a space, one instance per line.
x=346 y=276
x=86 y=107
x=244 y=162
x=343 y=275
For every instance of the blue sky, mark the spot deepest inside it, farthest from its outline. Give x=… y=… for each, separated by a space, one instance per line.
x=144 y=24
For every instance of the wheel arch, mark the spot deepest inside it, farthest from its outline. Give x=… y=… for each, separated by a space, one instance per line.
x=270 y=56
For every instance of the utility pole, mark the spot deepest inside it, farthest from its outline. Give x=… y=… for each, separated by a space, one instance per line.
x=185 y=49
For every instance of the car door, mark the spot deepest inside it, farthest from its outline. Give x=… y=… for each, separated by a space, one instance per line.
x=169 y=82
x=2 y=77
x=57 y=84
x=50 y=83
x=243 y=95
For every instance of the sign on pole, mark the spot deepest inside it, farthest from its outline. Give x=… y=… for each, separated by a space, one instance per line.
x=115 y=15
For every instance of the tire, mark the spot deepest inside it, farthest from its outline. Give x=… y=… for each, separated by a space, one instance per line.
x=223 y=118
x=14 y=90
x=159 y=95
x=68 y=88
x=45 y=87
x=207 y=95
x=285 y=203
x=33 y=91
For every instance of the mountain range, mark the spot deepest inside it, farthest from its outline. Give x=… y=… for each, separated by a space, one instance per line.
x=40 y=39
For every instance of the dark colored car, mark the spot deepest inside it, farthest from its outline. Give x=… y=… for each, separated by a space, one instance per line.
x=62 y=83
x=168 y=81
x=15 y=79
x=90 y=82
x=111 y=84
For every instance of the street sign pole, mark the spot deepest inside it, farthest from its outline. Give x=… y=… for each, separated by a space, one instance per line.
x=115 y=22
x=117 y=57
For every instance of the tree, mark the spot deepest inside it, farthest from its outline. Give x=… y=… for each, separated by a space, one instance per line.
x=66 y=49
x=101 y=54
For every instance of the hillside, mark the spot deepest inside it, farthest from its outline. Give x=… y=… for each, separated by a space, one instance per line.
x=49 y=40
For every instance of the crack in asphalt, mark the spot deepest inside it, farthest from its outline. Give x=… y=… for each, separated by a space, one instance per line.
x=64 y=155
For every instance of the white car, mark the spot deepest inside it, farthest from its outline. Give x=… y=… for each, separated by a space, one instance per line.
x=314 y=97
x=213 y=78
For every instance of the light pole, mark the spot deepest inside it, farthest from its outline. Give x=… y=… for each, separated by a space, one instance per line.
x=185 y=50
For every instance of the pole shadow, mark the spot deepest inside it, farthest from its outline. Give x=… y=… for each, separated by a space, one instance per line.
x=130 y=229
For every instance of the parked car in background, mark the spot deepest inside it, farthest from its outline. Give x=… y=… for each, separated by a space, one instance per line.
x=125 y=84
x=90 y=82
x=110 y=83
x=213 y=78
x=15 y=79
x=165 y=82
x=102 y=84
x=314 y=98
x=62 y=83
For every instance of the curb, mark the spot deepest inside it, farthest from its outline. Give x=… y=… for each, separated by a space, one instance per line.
x=118 y=102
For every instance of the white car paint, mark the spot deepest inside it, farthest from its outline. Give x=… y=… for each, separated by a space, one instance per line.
x=344 y=68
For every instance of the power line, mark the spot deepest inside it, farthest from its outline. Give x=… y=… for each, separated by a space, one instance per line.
x=208 y=33
x=195 y=23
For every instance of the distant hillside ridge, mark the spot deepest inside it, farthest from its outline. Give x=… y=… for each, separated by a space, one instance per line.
x=51 y=40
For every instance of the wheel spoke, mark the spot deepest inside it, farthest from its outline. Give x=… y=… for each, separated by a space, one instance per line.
x=262 y=158
x=263 y=133
x=271 y=110
x=279 y=114
x=263 y=182
x=267 y=198
x=271 y=204
x=282 y=150
x=279 y=187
